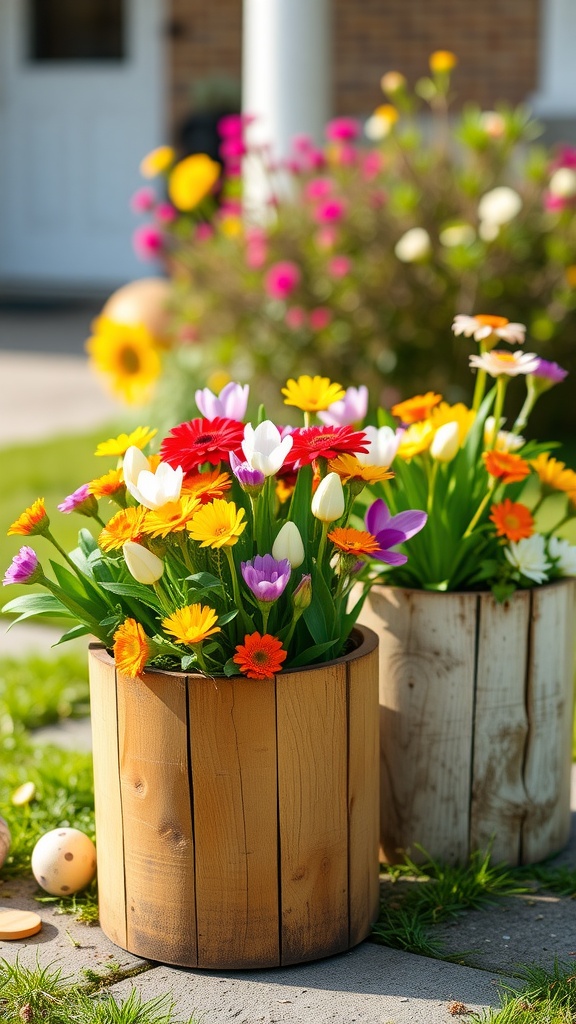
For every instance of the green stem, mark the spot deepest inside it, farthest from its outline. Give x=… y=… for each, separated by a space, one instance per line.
x=265 y=609
x=479 y=389
x=487 y=497
x=236 y=589
x=523 y=415
x=501 y=385
x=431 y=486
x=66 y=557
x=159 y=591
x=322 y=544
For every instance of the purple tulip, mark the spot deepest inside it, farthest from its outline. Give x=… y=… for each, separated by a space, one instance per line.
x=230 y=403
x=549 y=371
x=24 y=568
x=266 y=577
x=251 y=480
x=392 y=530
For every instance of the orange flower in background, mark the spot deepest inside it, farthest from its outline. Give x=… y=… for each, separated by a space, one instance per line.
x=260 y=657
x=128 y=524
x=512 y=520
x=354 y=542
x=417 y=408
x=131 y=649
x=107 y=485
x=33 y=520
x=348 y=467
x=505 y=466
x=553 y=474
x=442 y=60
x=207 y=486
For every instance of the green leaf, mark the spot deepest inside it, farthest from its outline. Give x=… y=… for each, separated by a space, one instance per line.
x=206 y=581
x=72 y=634
x=37 y=604
x=320 y=615
x=310 y=655
x=86 y=542
x=139 y=591
x=231 y=668
x=227 y=617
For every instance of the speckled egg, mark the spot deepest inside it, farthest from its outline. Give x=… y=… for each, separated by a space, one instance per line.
x=64 y=861
x=5 y=840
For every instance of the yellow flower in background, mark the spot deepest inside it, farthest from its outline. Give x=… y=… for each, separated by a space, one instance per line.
x=217 y=524
x=348 y=468
x=231 y=227
x=416 y=439
x=571 y=275
x=312 y=394
x=418 y=408
x=442 y=60
x=128 y=524
x=192 y=180
x=107 y=485
x=171 y=517
x=131 y=649
x=192 y=624
x=157 y=162
x=138 y=438
x=386 y=112
x=393 y=82
x=459 y=413
x=128 y=355
x=218 y=380
x=553 y=474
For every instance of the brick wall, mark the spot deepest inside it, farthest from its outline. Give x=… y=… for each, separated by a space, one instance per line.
x=496 y=42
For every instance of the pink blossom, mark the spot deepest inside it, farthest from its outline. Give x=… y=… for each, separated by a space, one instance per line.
x=143 y=200
x=24 y=568
x=326 y=238
x=230 y=126
x=166 y=213
x=346 y=155
x=320 y=318
x=232 y=207
x=371 y=165
x=188 y=334
x=566 y=157
x=281 y=279
x=342 y=129
x=339 y=266
x=256 y=255
x=318 y=188
x=295 y=317
x=348 y=410
x=302 y=143
x=203 y=232
x=329 y=211
x=232 y=148
x=234 y=169
x=148 y=242
x=555 y=203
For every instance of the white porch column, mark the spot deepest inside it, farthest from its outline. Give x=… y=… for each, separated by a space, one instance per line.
x=556 y=95
x=286 y=69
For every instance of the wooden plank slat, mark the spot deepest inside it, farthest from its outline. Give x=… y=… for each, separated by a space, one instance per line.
x=427 y=645
x=550 y=703
x=159 y=850
x=312 y=784
x=363 y=792
x=109 y=829
x=499 y=799
x=233 y=737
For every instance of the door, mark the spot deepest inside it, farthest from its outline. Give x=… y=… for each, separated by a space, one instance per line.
x=81 y=100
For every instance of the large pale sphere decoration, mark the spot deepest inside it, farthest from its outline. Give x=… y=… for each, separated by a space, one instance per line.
x=5 y=840
x=64 y=861
x=143 y=301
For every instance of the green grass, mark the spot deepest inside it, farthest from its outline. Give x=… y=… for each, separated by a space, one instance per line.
x=547 y=997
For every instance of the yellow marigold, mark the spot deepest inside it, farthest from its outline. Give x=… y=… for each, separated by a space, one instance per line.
x=128 y=524
x=416 y=439
x=207 y=486
x=312 y=394
x=139 y=438
x=354 y=542
x=348 y=467
x=131 y=649
x=192 y=624
x=415 y=409
x=192 y=180
x=553 y=473
x=32 y=520
x=459 y=413
x=218 y=524
x=157 y=162
x=172 y=517
x=442 y=60
x=107 y=485
x=128 y=355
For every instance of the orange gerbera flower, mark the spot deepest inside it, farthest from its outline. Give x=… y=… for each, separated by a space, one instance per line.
x=512 y=520
x=171 y=517
x=131 y=649
x=553 y=473
x=207 y=486
x=107 y=485
x=354 y=542
x=260 y=657
x=32 y=520
x=505 y=466
x=417 y=408
x=349 y=468
x=128 y=524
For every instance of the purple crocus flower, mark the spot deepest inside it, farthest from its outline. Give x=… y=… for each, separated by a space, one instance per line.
x=251 y=480
x=24 y=567
x=550 y=372
x=230 y=403
x=266 y=577
x=391 y=530
x=79 y=501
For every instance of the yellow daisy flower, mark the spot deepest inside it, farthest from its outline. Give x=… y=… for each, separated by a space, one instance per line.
x=348 y=467
x=553 y=473
x=459 y=413
x=128 y=524
x=207 y=486
x=191 y=180
x=312 y=394
x=192 y=624
x=131 y=650
x=442 y=60
x=139 y=438
x=218 y=524
x=157 y=162
x=172 y=517
x=107 y=485
x=128 y=355
x=416 y=439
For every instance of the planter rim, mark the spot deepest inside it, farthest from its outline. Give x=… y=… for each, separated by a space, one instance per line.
x=564 y=581
x=368 y=643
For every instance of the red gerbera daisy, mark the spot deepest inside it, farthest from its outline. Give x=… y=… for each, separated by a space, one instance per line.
x=310 y=443
x=197 y=441
x=260 y=657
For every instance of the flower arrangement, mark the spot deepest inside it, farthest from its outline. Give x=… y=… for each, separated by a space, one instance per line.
x=370 y=245
x=231 y=550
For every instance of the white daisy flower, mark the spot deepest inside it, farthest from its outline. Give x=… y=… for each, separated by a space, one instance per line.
x=528 y=557
x=499 y=206
x=563 y=554
x=481 y=327
x=510 y=364
x=506 y=441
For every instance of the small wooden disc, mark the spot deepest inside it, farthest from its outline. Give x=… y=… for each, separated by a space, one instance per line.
x=18 y=924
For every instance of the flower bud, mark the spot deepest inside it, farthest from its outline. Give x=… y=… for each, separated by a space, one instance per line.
x=328 y=502
x=142 y=564
x=302 y=596
x=288 y=544
x=445 y=443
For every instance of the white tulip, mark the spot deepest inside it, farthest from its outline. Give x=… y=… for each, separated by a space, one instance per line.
x=328 y=502
x=414 y=245
x=264 y=448
x=446 y=442
x=142 y=564
x=383 y=444
x=134 y=463
x=288 y=544
x=156 y=489
x=499 y=206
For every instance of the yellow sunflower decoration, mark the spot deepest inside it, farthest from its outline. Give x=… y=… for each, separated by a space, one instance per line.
x=128 y=355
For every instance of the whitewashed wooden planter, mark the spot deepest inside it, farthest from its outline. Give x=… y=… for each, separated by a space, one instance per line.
x=476 y=705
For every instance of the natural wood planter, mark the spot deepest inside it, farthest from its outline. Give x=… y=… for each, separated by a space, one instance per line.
x=237 y=820
x=475 y=721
